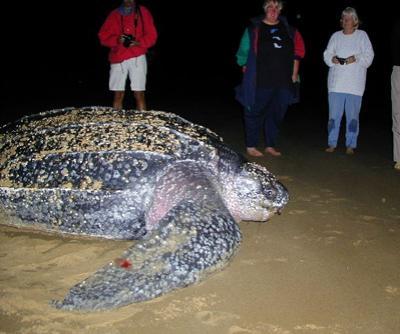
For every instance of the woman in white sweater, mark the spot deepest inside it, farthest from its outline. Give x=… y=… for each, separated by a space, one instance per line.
x=349 y=53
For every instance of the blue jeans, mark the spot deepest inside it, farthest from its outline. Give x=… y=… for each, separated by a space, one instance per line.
x=351 y=105
x=269 y=110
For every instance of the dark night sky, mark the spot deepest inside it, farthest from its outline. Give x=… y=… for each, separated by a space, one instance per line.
x=55 y=59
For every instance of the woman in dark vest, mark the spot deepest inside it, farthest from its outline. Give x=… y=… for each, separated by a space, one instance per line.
x=270 y=52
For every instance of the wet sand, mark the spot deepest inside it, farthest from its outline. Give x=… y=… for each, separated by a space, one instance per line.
x=329 y=264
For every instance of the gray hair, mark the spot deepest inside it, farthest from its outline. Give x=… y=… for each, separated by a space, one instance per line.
x=350 y=11
x=268 y=2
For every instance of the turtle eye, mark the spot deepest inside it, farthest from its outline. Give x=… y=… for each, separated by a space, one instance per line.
x=269 y=193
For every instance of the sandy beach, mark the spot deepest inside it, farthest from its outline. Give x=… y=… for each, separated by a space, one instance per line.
x=329 y=264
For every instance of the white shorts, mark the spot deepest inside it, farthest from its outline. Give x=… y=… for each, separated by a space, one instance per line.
x=135 y=67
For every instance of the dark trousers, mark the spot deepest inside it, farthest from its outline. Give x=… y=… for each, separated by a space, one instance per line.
x=269 y=110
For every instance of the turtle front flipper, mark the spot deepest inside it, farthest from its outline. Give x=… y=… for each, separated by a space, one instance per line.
x=195 y=238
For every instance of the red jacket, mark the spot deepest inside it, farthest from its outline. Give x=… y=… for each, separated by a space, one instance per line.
x=117 y=24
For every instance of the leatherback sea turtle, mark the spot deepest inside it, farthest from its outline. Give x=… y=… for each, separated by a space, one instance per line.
x=172 y=185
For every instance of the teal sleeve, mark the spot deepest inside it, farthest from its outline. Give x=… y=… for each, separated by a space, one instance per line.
x=244 y=47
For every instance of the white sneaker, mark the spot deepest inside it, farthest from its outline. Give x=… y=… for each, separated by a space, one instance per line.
x=397 y=166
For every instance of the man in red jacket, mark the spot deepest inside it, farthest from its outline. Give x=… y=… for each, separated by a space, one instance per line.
x=128 y=31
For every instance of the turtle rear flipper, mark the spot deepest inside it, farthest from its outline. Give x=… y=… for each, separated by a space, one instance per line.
x=193 y=240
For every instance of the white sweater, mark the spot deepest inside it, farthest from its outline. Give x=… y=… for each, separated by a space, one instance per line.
x=349 y=78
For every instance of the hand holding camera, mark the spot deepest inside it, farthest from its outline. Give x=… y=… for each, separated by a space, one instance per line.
x=128 y=40
x=350 y=60
x=344 y=61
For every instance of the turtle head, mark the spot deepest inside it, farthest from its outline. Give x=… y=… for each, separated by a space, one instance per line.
x=257 y=194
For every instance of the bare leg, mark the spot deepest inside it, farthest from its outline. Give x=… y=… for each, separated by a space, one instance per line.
x=140 y=100
x=118 y=99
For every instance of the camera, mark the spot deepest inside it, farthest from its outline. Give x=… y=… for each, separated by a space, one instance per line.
x=342 y=61
x=127 y=40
